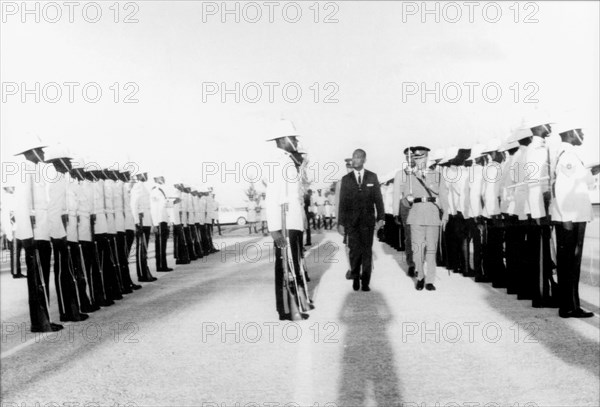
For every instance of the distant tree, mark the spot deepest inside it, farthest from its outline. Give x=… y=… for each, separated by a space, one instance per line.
x=251 y=192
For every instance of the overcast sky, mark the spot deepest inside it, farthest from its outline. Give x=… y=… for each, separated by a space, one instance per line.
x=368 y=58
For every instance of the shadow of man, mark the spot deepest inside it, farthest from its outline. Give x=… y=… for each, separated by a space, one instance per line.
x=368 y=360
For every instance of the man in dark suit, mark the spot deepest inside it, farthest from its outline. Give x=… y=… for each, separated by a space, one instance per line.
x=360 y=197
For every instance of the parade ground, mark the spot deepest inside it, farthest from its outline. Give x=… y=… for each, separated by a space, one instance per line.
x=207 y=334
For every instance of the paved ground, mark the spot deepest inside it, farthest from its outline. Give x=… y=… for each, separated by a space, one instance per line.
x=206 y=334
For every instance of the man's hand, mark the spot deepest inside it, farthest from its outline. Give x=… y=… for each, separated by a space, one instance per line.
x=341 y=230
x=379 y=224
x=278 y=239
x=397 y=220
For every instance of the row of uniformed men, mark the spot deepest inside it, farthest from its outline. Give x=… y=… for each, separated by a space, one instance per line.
x=88 y=215
x=493 y=212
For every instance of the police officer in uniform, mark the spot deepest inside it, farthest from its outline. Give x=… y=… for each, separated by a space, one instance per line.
x=31 y=215
x=284 y=191
x=140 y=207
x=571 y=210
x=64 y=276
x=424 y=217
x=77 y=265
x=159 y=203
x=401 y=208
x=8 y=220
x=179 y=243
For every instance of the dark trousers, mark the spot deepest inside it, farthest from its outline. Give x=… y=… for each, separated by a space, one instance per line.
x=189 y=242
x=160 y=246
x=180 y=246
x=15 y=246
x=476 y=238
x=456 y=241
x=308 y=237
x=543 y=289
x=77 y=266
x=568 y=256
x=37 y=259
x=515 y=239
x=108 y=266
x=64 y=281
x=123 y=254
x=282 y=298
x=219 y=226
x=197 y=237
x=209 y=234
x=360 y=243
x=493 y=253
x=142 y=238
x=90 y=264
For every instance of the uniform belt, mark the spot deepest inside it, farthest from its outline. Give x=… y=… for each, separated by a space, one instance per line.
x=425 y=199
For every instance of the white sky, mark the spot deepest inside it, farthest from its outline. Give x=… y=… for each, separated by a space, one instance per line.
x=369 y=54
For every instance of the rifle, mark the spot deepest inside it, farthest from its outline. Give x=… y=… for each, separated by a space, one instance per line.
x=290 y=282
x=304 y=272
x=90 y=285
x=72 y=273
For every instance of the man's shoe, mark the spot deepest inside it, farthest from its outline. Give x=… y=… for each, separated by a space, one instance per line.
x=482 y=279
x=420 y=284
x=429 y=287
x=19 y=276
x=366 y=288
x=565 y=314
x=50 y=328
x=106 y=303
x=580 y=313
x=164 y=270
x=91 y=308
x=284 y=317
x=135 y=286
x=182 y=262
x=356 y=284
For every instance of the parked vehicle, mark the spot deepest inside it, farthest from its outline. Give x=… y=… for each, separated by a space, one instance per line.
x=229 y=215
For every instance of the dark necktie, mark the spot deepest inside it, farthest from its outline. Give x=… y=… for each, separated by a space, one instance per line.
x=359 y=180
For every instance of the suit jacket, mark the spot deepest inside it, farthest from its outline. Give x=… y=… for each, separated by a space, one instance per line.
x=358 y=205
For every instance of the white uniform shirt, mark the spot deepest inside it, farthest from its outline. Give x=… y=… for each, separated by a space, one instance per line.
x=158 y=202
x=491 y=189
x=520 y=204
x=32 y=200
x=462 y=191
x=537 y=165
x=119 y=205
x=284 y=187
x=175 y=217
x=8 y=211
x=85 y=202
x=109 y=206
x=475 y=190
x=210 y=209
x=573 y=181
x=100 y=226
x=57 y=204
x=73 y=191
x=129 y=222
x=202 y=209
x=251 y=208
x=214 y=213
x=140 y=203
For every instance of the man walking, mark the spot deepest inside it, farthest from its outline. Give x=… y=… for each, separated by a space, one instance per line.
x=361 y=210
